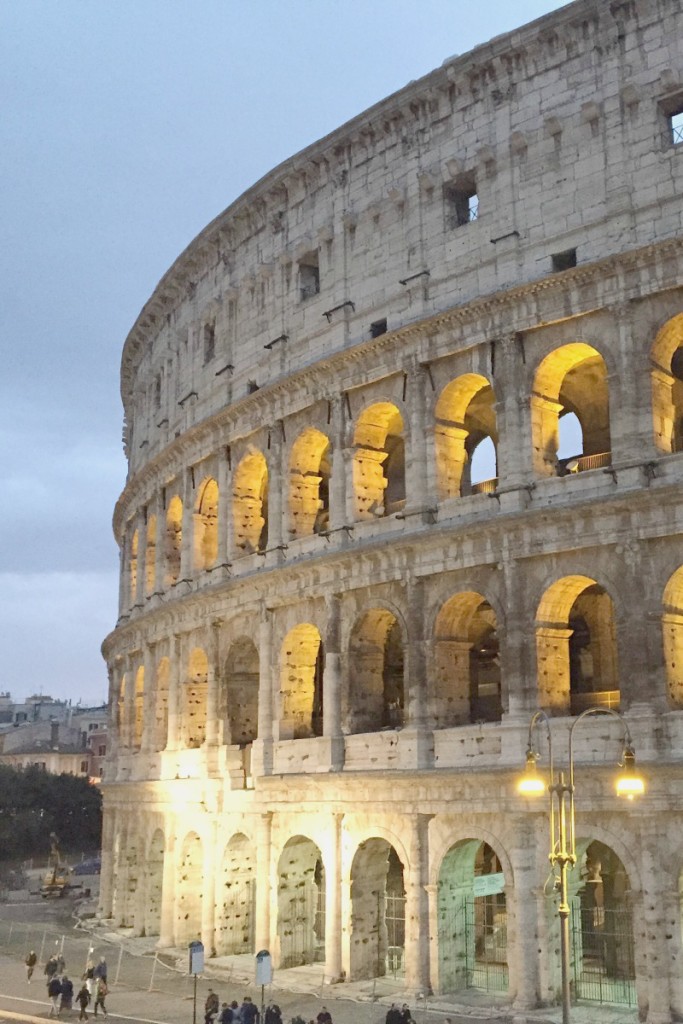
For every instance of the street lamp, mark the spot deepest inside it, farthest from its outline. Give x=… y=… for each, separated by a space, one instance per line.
x=562 y=824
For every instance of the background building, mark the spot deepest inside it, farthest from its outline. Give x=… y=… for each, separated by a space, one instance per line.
x=404 y=430
x=53 y=734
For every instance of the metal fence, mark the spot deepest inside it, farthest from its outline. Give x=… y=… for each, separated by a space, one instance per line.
x=602 y=954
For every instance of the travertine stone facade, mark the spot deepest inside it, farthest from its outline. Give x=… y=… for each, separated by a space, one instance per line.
x=338 y=612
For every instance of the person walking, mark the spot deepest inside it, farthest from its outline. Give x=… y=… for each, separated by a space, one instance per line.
x=324 y=1017
x=30 y=961
x=248 y=1011
x=225 y=1016
x=273 y=1014
x=393 y=1015
x=67 y=999
x=89 y=976
x=54 y=991
x=211 y=1007
x=101 y=970
x=100 y=996
x=83 y=998
x=406 y=1016
x=50 y=968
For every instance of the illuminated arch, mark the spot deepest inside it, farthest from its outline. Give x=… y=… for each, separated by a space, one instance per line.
x=301 y=903
x=194 y=699
x=154 y=877
x=467 y=683
x=301 y=683
x=309 y=484
x=206 y=525
x=376 y=672
x=465 y=417
x=235 y=902
x=667 y=386
x=378 y=899
x=174 y=540
x=150 y=555
x=576 y=647
x=672 y=630
x=250 y=503
x=571 y=379
x=139 y=707
x=189 y=885
x=238 y=703
x=379 y=485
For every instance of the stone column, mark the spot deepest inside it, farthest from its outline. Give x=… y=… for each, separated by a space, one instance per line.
x=417 y=491
x=142 y=557
x=630 y=387
x=517 y=645
x=657 y=901
x=333 y=922
x=214 y=728
x=521 y=902
x=512 y=384
x=187 y=540
x=276 y=484
x=148 y=712
x=332 y=683
x=544 y=413
x=262 y=748
x=174 y=693
x=114 y=676
x=209 y=891
x=224 y=510
x=433 y=926
x=417 y=907
x=262 y=937
x=107 y=874
x=415 y=679
x=337 y=474
x=159 y=547
x=168 y=887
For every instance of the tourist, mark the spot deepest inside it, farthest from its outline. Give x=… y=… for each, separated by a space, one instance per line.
x=101 y=995
x=273 y=1014
x=67 y=994
x=393 y=1015
x=101 y=970
x=30 y=961
x=54 y=991
x=50 y=968
x=324 y=1017
x=83 y=998
x=236 y=1013
x=406 y=1016
x=225 y=1016
x=211 y=1007
x=248 y=1011
x=89 y=976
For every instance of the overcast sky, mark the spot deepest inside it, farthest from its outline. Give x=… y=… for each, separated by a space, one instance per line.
x=125 y=127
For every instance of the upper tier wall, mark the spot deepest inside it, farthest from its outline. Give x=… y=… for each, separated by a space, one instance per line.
x=559 y=132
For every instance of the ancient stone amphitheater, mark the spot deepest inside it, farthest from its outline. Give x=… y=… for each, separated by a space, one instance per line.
x=404 y=427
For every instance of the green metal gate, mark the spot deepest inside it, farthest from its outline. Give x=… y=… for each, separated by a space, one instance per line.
x=603 y=965
x=473 y=944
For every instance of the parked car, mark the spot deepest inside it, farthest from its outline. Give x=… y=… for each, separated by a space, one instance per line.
x=88 y=867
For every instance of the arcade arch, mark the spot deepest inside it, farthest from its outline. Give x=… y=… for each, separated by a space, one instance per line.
x=378 y=898
x=379 y=484
x=195 y=691
x=465 y=419
x=250 y=504
x=150 y=555
x=301 y=903
x=309 y=484
x=672 y=629
x=667 y=386
x=238 y=702
x=161 y=704
x=467 y=665
x=189 y=890
x=236 y=898
x=301 y=685
x=376 y=697
x=174 y=540
x=206 y=526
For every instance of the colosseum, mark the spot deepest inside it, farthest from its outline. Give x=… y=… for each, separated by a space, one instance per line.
x=404 y=428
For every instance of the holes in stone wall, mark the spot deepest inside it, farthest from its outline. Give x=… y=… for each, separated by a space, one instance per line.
x=134 y=567
x=377 y=911
x=189 y=890
x=236 y=900
x=150 y=554
x=301 y=884
x=206 y=525
x=139 y=707
x=161 y=704
x=154 y=868
x=672 y=628
x=194 y=699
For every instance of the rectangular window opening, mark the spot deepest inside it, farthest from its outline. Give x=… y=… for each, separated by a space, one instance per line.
x=309 y=276
x=461 y=201
x=209 y=342
x=676 y=127
x=563 y=260
x=379 y=327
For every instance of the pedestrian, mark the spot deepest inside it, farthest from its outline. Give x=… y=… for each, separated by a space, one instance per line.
x=83 y=998
x=273 y=1014
x=211 y=1007
x=236 y=1014
x=61 y=964
x=324 y=1017
x=54 y=991
x=101 y=970
x=393 y=1015
x=88 y=976
x=248 y=1011
x=67 y=994
x=406 y=1016
x=30 y=961
x=225 y=1016
x=50 y=968
x=101 y=995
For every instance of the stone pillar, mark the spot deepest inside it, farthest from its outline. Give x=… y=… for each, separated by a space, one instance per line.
x=544 y=413
x=159 y=547
x=521 y=902
x=140 y=896
x=332 y=683
x=517 y=646
x=337 y=483
x=630 y=394
x=333 y=922
x=224 y=510
x=262 y=936
x=114 y=676
x=276 y=498
x=513 y=413
x=417 y=907
x=148 y=712
x=656 y=909
x=142 y=557
x=433 y=925
x=214 y=727
x=262 y=748
x=187 y=541
x=107 y=874
x=415 y=679
x=128 y=710
x=347 y=457
x=417 y=492
x=174 y=693
x=209 y=891
x=168 y=887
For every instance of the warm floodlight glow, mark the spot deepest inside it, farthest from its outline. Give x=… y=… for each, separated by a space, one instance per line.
x=531 y=783
x=629 y=783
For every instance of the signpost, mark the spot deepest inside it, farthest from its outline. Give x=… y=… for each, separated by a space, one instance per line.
x=264 y=976
x=196 y=967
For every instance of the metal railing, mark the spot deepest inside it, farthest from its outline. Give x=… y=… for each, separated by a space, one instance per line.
x=485 y=486
x=582 y=463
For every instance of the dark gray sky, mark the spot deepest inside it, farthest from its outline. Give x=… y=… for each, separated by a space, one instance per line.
x=125 y=126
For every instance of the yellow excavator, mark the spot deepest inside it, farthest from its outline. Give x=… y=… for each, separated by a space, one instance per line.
x=56 y=879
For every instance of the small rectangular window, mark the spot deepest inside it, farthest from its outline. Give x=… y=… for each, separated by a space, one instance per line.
x=379 y=327
x=676 y=126
x=461 y=201
x=563 y=260
x=309 y=276
x=209 y=342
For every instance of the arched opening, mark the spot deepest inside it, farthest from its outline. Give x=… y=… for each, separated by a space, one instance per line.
x=379 y=484
x=134 y=567
x=569 y=439
x=378 y=900
x=466 y=437
x=236 y=900
x=301 y=686
x=189 y=891
x=155 y=877
x=194 y=699
x=301 y=903
x=150 y=555
x=206 y=526
x=238 y=706
x=672 y=630
x=667 y=386
x=376 y=673
x=174 y=540
x=250 y=504
x=576 y=647
x=467 y=662
x=139 y=707
x=161 y=704
x=602 y=926
x=309 y=487
x=571 y=379
x=472 y=919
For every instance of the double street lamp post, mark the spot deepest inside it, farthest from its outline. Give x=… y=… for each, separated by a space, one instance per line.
x=560 y=788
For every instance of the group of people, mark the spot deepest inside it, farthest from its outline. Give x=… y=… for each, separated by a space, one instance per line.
x=216 y=1012
x=399 y=1014
x=60 y=988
